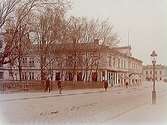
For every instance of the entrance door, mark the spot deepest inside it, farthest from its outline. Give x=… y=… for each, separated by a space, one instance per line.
x=94 y=76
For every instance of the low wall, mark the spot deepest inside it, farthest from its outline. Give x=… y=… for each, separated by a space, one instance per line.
x=40 y=86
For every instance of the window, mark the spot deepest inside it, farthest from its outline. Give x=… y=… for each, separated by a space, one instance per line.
x=57 y=76
x=160 y=72
x=24 y=75
x=103 y=74
x=114 y=62
x=79 y=76
x=1 y=65
x=150 y=72
x=31 y=76
x=124 y=64
x=24 y=60
x=10 y=73
x=121 y=63
x=110 y=62
x=94 y=76
x=146 y=72
x=1 y=75
x=70 y=76
x=1 y=42
x=118 y=63
x=69 y=61
x=118 y=81
x=31 y=62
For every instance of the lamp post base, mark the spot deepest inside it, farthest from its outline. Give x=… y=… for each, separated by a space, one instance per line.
x=153 y=97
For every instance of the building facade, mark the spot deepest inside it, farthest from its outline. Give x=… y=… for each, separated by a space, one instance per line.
x=160 y=72
x=94 y=62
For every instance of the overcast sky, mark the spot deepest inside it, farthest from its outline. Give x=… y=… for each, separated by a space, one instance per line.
x=146 y=21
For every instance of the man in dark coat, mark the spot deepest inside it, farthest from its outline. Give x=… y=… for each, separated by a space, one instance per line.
x=59 y=86
x=126 y=84
x=105 y=85
x=47 y=85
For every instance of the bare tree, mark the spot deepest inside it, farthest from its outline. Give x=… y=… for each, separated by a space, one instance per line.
x=49 y=31
x=7 y=7
x=14 y=23
x=89 y=38
x=16 y=38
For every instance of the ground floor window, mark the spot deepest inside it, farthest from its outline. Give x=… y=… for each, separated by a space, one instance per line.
x=119 y=81
x=24 y=75
x=10 y=73
x=31 y=76
x=70 y=76
x=1 y=65
x=1 y=75
x=79 y=76
x=103 y=75
x=57 y=76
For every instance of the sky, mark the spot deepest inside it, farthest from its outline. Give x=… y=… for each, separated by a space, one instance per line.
x=144 y=20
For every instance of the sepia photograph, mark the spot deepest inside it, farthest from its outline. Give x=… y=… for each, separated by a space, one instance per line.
x=83 y=62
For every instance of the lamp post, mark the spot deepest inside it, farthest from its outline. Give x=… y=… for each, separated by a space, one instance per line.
x=153 y=56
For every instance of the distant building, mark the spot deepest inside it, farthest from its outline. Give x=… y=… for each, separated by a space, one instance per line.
x=160 y=72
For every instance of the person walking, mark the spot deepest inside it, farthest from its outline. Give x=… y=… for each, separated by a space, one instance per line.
x=126 y=84
x=47 y=85
x=59 y=86
x=105 y=85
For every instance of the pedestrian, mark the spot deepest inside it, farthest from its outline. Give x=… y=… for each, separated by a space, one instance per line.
x=59 y=86
x=105 y=85
x=126 y=84
x=47 y=85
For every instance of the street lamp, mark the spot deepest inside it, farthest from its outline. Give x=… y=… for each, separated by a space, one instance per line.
x=154 y=57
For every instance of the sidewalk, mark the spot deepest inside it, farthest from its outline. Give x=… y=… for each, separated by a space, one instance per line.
x=145 y=115
x=35 y=95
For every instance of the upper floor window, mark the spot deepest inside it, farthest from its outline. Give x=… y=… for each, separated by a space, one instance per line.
x=69 y=61
x=121 y=63
x=160 y=72
x=146 y=72
x=24 y=60
x=110 y=61
x=124 y=64
x=118 y=63
x=10 y=73
x=114 y=62
x=32 y=62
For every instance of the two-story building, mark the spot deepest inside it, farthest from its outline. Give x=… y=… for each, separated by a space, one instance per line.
x=85 y=62
x=160 y=72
